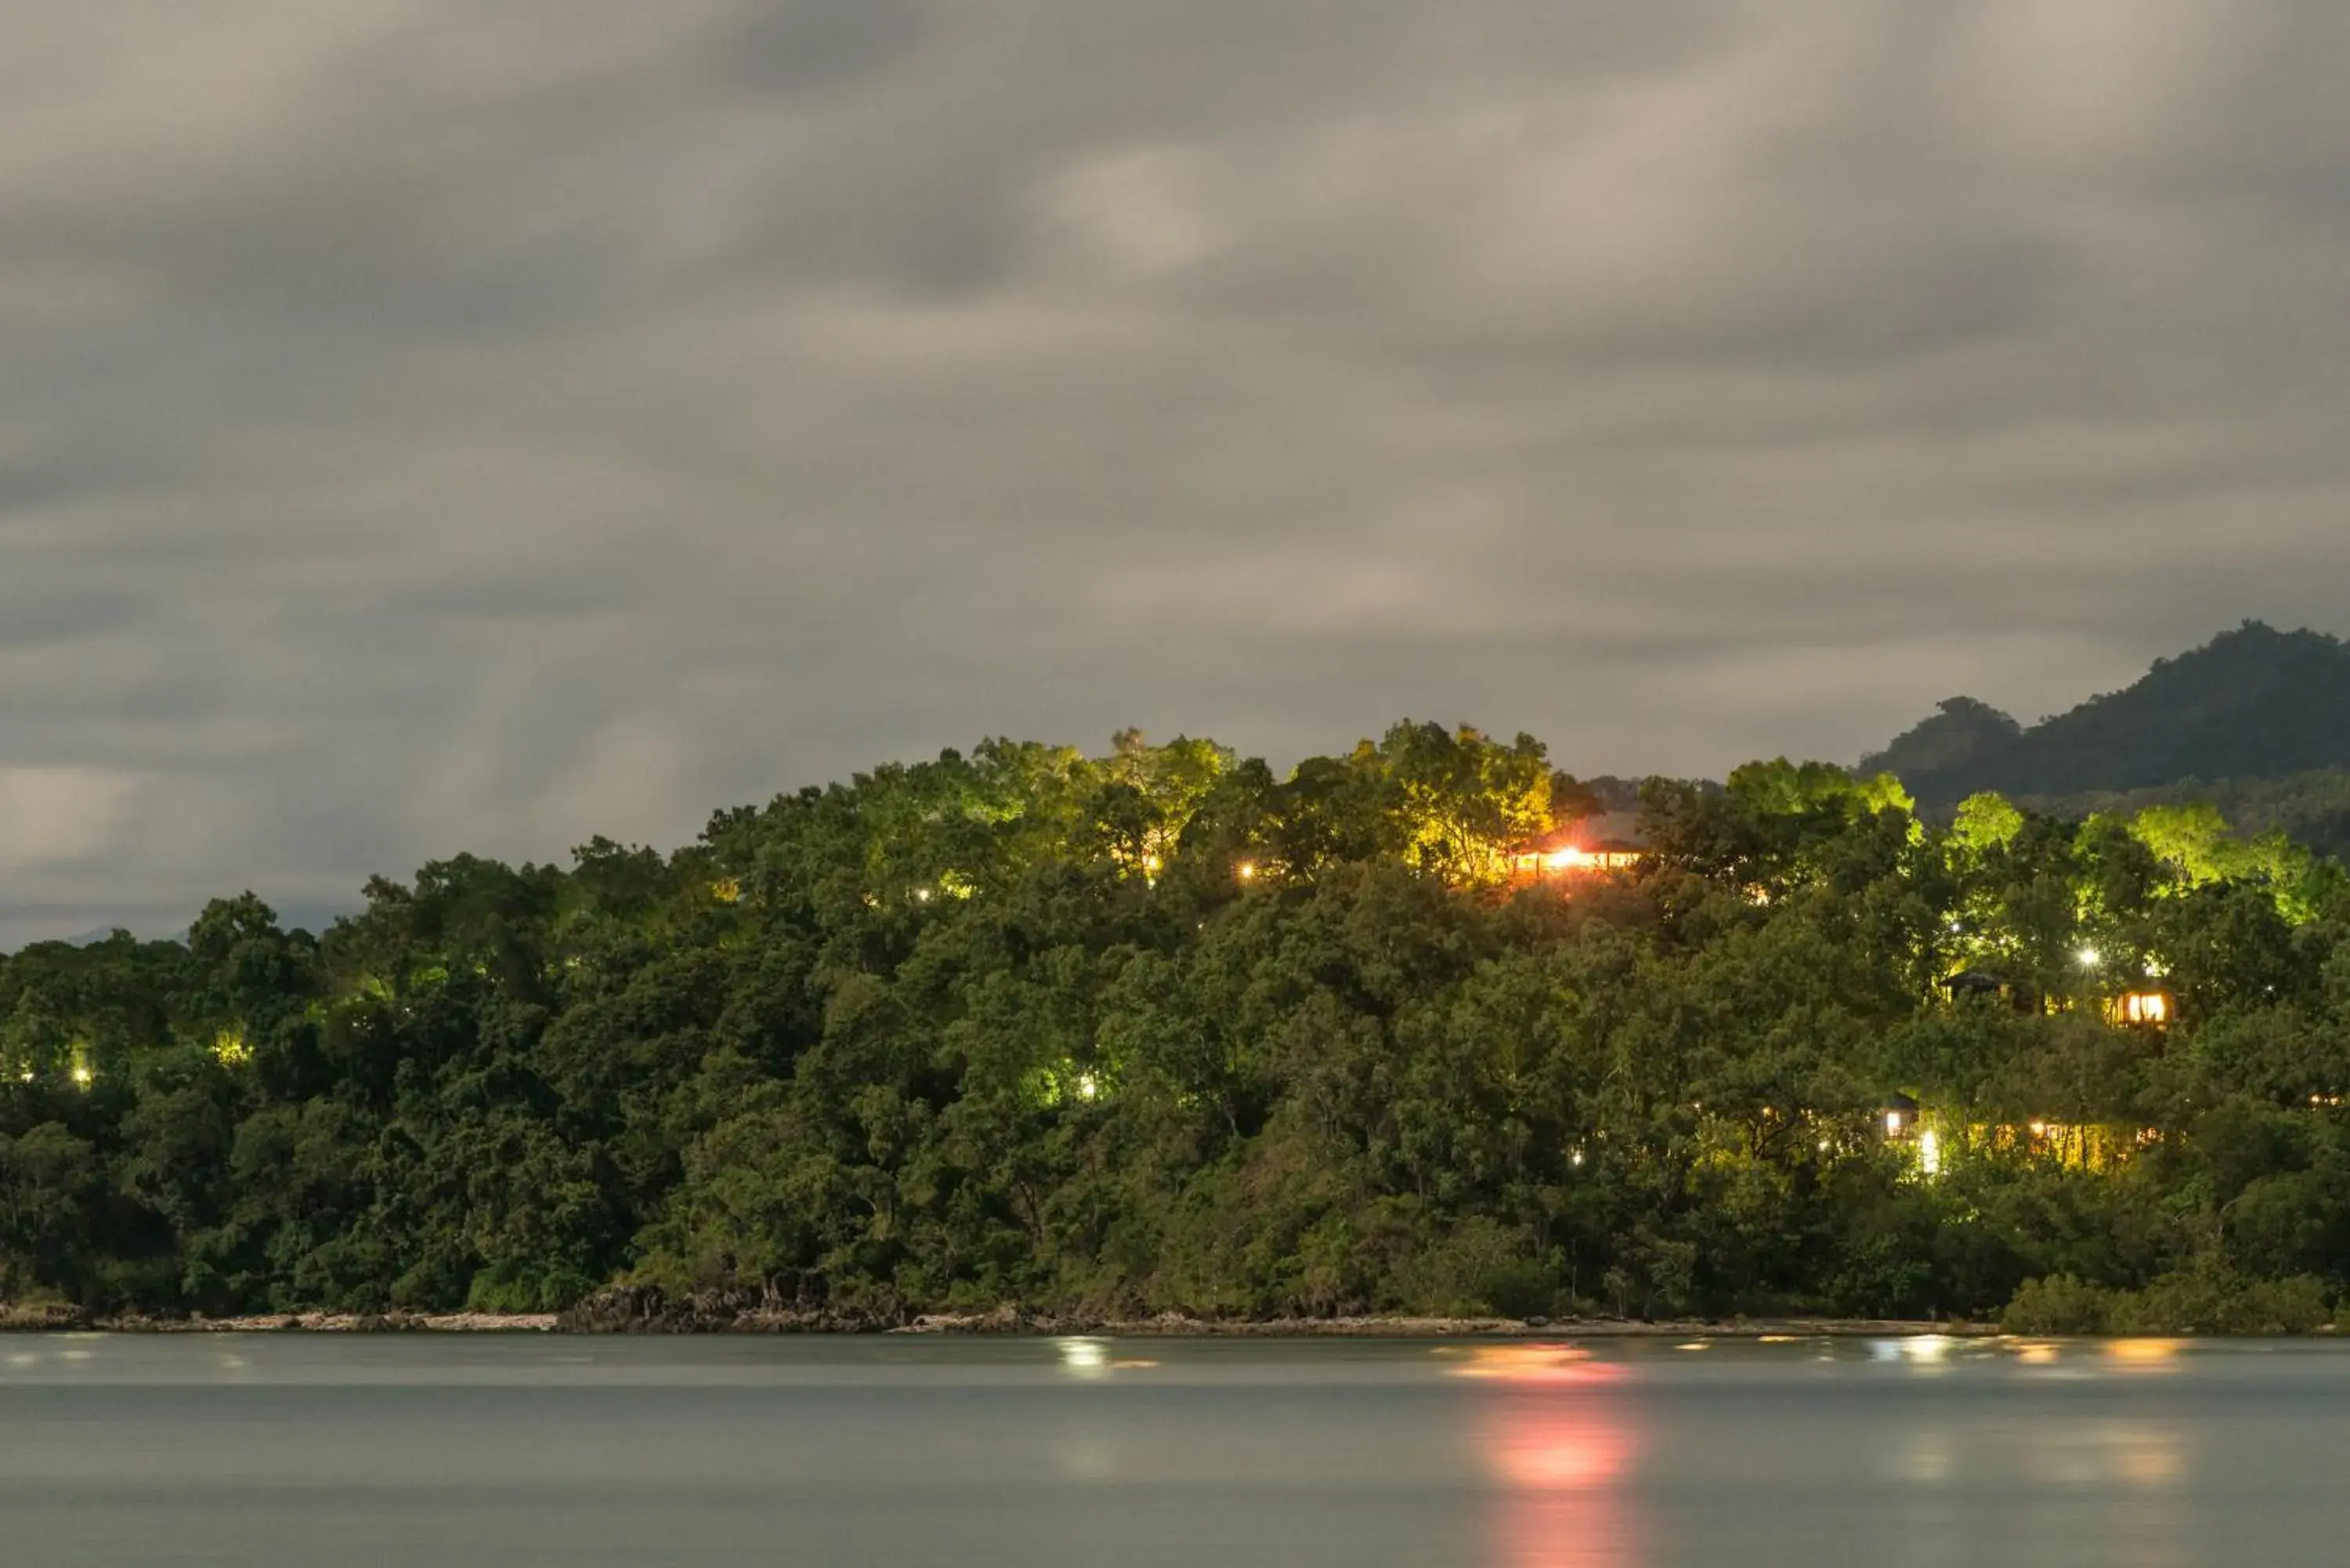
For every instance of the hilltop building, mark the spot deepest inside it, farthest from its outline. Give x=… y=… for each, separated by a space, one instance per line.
x=1598 y=847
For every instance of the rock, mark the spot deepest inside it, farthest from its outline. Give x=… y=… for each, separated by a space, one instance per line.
x=776 y=1307
x=41 y=1317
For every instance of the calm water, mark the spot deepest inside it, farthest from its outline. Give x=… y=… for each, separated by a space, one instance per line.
x=322 y=1451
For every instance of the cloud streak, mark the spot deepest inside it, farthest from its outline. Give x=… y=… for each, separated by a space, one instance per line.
x=436 y=427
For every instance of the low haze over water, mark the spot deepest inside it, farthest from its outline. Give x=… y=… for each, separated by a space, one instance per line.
x=320 y=1452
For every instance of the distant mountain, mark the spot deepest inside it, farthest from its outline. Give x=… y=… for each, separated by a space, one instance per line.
x=2254 y=703
x=1962 y=740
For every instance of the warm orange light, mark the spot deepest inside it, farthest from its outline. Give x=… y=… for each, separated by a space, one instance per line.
x=1247 y=870
x=2146 y=1007
x=1565 y=1458
x=1537 y=1364
x=1541 y=1446
x=2145 y=1355
x=1562 y=1462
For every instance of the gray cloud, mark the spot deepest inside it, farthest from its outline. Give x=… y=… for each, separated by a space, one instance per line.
x=433 y=426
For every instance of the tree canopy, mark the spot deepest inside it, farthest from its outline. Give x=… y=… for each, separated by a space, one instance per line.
x=1165 y=1030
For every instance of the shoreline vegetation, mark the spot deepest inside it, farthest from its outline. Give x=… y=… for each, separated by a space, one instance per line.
x=2052 y=1309
x=1428 y=1032
x=1001 y=1323
x=1010 y=1324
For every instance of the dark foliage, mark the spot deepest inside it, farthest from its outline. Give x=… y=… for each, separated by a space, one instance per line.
x=1161 y=1031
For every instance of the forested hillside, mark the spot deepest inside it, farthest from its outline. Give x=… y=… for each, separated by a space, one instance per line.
x=2252 y=704
x=2311 y=808
x=1162 y=1030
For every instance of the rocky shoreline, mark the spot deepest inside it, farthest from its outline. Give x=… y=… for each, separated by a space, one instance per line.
x=649 y=1310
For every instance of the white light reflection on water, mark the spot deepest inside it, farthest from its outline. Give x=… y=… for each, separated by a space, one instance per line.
x=1930 y=1351
x=1083 y=1357
x=1558 y=1438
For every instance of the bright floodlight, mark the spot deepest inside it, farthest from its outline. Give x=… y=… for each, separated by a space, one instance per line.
x=2090 y=957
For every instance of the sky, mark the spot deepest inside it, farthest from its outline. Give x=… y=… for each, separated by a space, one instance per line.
x=428 y=425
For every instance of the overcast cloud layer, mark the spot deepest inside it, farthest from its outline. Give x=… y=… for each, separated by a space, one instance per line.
x=427 y=424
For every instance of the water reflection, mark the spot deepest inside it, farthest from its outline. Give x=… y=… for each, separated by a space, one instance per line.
x=1083 y=1357
x=1557 y=1436
x=1921 y=1350
x=2146 y=1355
x=1080 y=1452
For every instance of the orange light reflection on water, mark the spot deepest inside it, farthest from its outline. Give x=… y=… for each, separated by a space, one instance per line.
x=1537 y=1364
x=1557 y=1436
x=2145 y=1355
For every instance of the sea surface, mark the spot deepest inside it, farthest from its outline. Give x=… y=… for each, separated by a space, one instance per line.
x=262 y=1450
